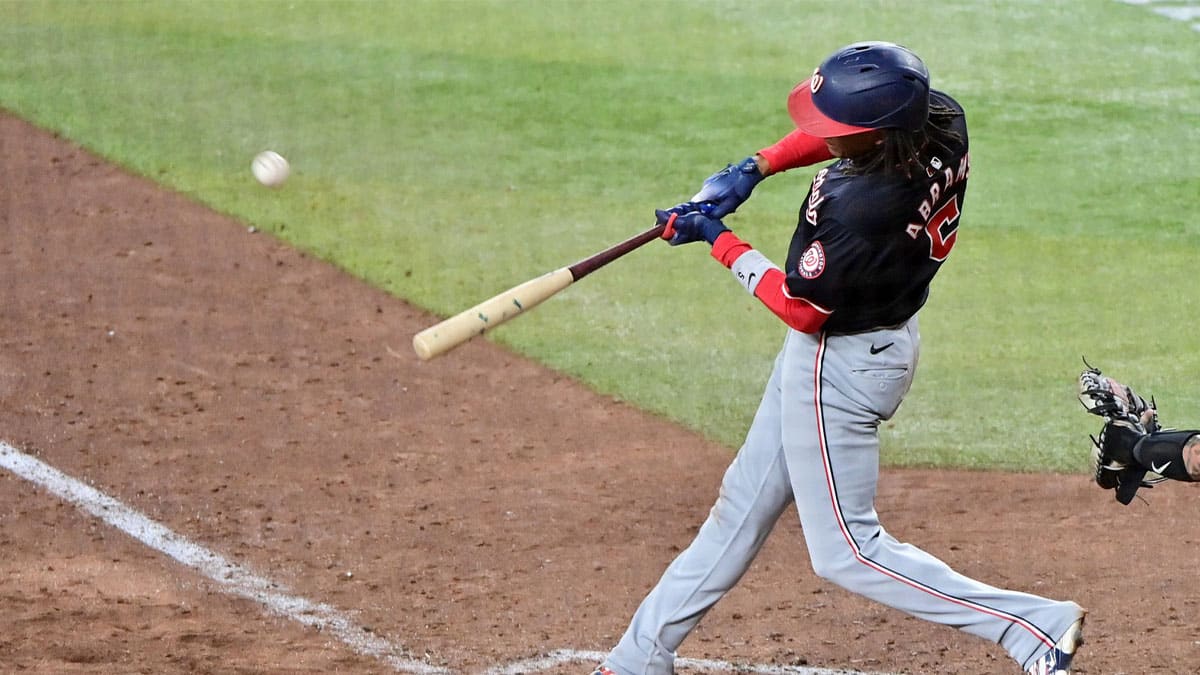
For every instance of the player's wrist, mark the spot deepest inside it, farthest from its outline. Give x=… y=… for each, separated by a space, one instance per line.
x=728 y=247
x=763 y=164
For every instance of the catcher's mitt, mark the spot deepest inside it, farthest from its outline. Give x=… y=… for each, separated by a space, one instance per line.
x=1128 y=417
x=1101 y=395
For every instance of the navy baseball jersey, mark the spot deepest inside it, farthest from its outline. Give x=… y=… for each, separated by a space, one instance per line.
x=867 y=246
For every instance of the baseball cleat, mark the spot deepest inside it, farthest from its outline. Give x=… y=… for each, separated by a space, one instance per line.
x=603 y=670
x=1057 y=661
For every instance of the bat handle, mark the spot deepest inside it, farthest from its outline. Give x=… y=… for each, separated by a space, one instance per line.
x=590 y=264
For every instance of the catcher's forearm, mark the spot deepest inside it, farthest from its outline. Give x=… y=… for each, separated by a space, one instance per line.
x=1171 y=454
x=1191 y=457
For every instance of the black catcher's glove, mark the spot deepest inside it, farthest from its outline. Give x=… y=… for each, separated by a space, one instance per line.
x=1127 y=419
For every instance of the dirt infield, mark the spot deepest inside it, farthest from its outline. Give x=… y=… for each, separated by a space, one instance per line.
x=477 y=510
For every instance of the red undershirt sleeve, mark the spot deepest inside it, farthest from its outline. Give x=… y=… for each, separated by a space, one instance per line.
x=765 y=281
x=795 y=149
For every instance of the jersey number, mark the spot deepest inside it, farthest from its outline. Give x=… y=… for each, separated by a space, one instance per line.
x=942 y=229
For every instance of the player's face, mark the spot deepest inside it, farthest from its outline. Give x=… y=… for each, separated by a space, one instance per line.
x=854 y=144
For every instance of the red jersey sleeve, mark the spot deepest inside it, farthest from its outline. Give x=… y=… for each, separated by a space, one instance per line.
x=795 y=149
x=766 y=282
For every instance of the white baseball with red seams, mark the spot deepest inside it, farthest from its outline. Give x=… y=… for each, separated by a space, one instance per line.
x=270 y=168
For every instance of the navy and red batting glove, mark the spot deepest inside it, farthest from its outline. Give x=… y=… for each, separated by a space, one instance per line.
x=726 y=189
x=685 y=224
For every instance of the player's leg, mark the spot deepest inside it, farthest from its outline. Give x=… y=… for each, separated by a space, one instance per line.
x=754 y=492
x=837 y=391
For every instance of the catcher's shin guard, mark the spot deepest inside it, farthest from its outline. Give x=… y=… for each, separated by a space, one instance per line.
x=1162 y=453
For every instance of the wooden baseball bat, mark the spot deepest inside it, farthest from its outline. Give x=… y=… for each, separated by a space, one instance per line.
x=452 y=332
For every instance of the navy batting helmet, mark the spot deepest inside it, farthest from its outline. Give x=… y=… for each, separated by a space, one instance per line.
x=863 y=86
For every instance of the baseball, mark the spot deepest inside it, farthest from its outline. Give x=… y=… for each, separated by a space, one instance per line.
x=270 y=168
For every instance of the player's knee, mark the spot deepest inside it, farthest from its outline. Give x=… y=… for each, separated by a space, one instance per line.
x=838 y=560
x=833 y=567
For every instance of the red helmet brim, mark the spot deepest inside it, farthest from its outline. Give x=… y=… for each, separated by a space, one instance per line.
x=811 y=120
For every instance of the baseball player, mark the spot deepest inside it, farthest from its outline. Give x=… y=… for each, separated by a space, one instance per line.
x=874 y=228
x=1133 y=450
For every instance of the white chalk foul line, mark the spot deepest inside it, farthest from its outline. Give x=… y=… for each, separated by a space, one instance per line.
x=234 y=578
x=240 y=581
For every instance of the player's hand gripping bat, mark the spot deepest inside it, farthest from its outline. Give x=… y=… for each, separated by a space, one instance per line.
x=452 y=332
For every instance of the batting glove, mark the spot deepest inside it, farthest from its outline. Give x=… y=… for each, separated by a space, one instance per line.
x=685 y=224
x=726 y=189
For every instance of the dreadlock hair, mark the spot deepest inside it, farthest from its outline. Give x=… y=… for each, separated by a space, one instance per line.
x=907 y=152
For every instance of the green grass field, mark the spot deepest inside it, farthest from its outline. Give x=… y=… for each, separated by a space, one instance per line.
x=447 y=150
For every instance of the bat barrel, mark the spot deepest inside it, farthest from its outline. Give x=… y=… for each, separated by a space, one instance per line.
x=494 y=311
x=488 y=314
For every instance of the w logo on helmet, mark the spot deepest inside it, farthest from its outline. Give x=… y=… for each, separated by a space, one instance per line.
x=816 y=81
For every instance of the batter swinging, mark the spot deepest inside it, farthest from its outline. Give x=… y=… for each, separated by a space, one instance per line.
x=873 y=231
